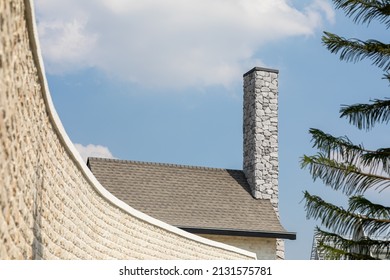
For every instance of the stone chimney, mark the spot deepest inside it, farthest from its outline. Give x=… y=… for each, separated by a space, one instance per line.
x=261 y=165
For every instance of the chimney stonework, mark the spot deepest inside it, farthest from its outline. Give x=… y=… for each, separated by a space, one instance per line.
x=261 y=164
x=260 y=130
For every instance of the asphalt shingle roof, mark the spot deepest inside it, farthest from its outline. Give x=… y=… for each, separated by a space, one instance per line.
x=187 y=196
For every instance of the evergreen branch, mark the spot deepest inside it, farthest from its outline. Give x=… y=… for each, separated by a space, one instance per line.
x=375 y=217
x=343 y=149
x=355 y=50
x=356 y=247
x=364 y=116
x=365 y=11
x=381 y=249
x=376 y=227
x=331 y=216
x=347 y=177
x=340 y=148
x=348 y=222
x=332 y=253
x=379 y=159
x=358 y=231
x=365 y=207
x=328 y=143
x=335 y=246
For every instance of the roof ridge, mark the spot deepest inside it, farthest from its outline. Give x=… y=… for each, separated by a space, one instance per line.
x=165 y=164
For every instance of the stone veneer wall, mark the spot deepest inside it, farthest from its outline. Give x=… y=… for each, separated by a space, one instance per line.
x=260 y=129
x=51 y=205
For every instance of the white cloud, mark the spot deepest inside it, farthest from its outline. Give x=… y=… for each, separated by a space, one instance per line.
x=169 y=43
x=326 y=7
x=93 y=151
x=66 y=44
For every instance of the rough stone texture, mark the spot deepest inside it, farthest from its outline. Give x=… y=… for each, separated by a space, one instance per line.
x=261 y=133
x=263 y=247
x=260 y=130
x=49 y=208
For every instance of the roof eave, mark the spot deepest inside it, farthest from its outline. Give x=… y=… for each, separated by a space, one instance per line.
x=234 y=232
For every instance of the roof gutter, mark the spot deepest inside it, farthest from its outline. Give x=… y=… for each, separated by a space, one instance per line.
x=232 y=232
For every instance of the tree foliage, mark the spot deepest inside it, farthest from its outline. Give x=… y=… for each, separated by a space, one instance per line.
x=360 y=231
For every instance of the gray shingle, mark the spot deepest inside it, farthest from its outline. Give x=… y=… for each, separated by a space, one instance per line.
x=187 y=196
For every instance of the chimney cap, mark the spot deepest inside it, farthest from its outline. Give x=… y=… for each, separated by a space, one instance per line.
x=261 y=69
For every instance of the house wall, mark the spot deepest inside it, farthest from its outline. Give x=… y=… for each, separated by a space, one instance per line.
x=51 y=205
x=264 y=248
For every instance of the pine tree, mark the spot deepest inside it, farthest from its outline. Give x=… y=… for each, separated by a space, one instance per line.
x=361 y=231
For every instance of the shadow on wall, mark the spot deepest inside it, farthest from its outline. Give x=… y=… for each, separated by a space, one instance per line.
x=37 y=248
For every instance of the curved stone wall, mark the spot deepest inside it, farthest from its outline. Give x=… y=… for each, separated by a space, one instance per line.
x=51 y=205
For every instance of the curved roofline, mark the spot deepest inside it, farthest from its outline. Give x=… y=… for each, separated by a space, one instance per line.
x=76 y=158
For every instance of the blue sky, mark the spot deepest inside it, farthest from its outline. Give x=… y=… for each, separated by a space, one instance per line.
x=161 y=81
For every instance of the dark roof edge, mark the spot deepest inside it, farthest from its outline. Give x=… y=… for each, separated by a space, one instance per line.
x=261 y=69
x=163 y=164
x=232 y=232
